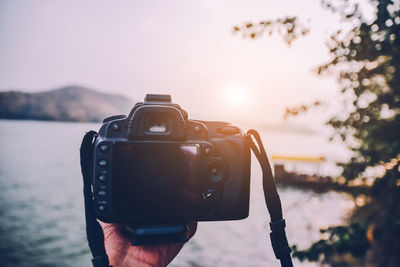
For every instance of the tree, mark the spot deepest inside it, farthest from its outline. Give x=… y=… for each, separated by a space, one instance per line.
x=366 y=63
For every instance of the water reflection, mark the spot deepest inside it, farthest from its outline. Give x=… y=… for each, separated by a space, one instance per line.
x=41 y=206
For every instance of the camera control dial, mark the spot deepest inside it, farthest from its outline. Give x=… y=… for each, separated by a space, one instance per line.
x=115 y=117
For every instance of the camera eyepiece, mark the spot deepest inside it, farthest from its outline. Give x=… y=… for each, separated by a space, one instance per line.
x=157 y=119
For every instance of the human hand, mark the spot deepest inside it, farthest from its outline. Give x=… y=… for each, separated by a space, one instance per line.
x=122 y=254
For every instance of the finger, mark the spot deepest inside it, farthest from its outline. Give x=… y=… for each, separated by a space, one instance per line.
x=192 y=228
x=113 y=230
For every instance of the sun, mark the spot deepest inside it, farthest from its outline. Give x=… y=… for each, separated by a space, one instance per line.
x=236 y=96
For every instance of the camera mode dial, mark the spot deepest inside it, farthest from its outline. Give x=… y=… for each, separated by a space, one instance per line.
x=115 y=117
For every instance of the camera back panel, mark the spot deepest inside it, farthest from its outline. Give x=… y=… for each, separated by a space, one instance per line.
x=170 y=168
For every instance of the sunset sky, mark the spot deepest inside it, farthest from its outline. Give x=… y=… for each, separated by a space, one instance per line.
x=185 y=48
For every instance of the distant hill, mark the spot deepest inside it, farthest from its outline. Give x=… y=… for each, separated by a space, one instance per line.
x=70 y=103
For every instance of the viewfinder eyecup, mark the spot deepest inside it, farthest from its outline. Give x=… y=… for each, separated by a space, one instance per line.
x=156 y=122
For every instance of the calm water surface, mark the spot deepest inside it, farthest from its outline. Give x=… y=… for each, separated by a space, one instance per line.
x=41 y=203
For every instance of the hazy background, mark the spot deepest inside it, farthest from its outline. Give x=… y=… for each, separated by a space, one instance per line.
x=184 y=48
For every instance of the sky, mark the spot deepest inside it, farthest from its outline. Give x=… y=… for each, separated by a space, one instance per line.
x=183 y=48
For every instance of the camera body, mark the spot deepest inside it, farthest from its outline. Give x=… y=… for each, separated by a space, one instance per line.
x=156 y=165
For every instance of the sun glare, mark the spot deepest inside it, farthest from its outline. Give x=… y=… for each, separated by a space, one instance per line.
x=236 y=96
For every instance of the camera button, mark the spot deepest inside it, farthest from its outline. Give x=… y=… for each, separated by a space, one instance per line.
x=103 y=148
x=217 y=171
x=197 y=128
x=102 y=193
x=103 y=163
x=216 y=177
x=103 y=178
x=115 y=126
x=101 y=208
x=209 y=193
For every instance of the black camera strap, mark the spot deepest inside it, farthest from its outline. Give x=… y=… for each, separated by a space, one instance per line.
x=278 y=235
x=94 y=232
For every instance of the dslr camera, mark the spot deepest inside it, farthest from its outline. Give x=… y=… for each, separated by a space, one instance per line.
x=157 y=165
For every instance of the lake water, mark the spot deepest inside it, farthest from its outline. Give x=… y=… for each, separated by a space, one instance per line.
x=41 y=203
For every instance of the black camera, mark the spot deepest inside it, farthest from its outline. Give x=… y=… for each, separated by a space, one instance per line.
x=156 y=165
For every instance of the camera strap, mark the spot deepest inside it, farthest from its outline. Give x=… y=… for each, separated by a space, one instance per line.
x=94 y=232
x=278 y=235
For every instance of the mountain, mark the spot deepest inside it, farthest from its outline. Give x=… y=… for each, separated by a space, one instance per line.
x=70 y=103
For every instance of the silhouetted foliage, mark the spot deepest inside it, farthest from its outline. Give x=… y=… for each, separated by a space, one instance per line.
x=366 y=62
x=289 y=28
x=341 y=240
